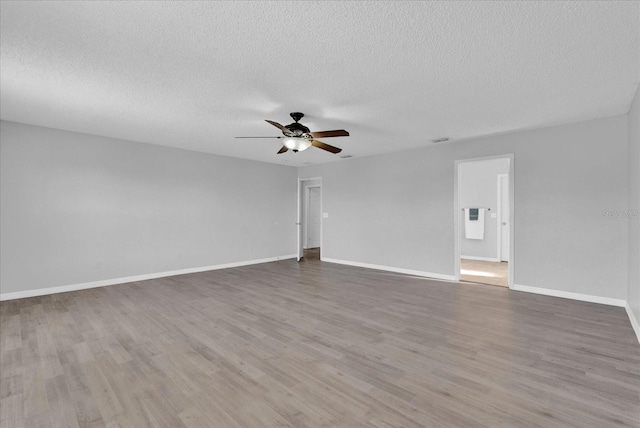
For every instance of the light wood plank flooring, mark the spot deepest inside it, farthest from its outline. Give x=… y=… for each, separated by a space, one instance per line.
x=483 y=272
x=314 y=344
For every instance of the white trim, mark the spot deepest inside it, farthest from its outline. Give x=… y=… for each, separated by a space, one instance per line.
x=633 y=320
x=456 y=221
x=569 y=295
x=305 y=218
x=484 y=259
x=299 y=222
x=512 y=221
x=391 y=269
x=124 y=280
x=499 y=215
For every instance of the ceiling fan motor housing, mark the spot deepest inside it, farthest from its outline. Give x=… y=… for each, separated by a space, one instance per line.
x=298 y=130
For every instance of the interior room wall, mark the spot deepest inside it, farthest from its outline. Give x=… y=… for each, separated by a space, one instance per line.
x=396 y=210
x=478 y=187
x=78 y=208
x=633 y=299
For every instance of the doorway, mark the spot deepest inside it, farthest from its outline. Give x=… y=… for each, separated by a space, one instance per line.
x=483 y=220
x=309 y=218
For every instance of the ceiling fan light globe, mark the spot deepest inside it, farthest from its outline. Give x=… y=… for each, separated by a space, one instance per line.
x=296 y=144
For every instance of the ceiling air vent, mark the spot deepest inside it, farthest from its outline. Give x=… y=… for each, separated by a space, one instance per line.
x=440 y=140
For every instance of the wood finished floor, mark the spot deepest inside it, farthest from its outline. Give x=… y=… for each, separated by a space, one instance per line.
x=483 y=272
x=314 y=344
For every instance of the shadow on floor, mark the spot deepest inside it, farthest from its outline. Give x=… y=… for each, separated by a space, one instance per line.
x=311 y=254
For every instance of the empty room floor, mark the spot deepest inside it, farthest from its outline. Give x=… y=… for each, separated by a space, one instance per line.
x=493 y=273
x=314 y=344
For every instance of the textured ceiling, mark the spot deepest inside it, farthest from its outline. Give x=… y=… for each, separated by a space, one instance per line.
x=395 y=74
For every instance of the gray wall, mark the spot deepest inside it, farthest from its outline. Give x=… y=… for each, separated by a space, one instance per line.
x=397 y=209
x=478 y=187
x=633 y=297
x=77 y=208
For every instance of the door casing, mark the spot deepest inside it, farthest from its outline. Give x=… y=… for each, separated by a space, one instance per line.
x=299 y=220
x=501 y=253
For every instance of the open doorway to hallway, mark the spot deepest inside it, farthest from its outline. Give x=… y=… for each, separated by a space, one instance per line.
x=310 y=219
x=484 y=201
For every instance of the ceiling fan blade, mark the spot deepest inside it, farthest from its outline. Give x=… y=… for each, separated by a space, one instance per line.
x=258 y=137
x=327 y=134
x=327 y=147
x=277 y=125
x=282 y=150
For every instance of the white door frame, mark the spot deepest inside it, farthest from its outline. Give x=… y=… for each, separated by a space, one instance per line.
x=307 y=192
x=457 y=213
x=499 y=212
x=299 y=243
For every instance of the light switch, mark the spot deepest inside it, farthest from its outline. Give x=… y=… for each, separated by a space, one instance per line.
x=325 y=215
x=494 y=215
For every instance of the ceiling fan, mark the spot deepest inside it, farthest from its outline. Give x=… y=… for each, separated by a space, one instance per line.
x=297 y=137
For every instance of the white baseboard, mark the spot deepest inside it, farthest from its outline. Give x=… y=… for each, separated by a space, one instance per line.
x=106 y=282
x=484 y=259
x=392 y=269
x=568 y=295
x=634 y=320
